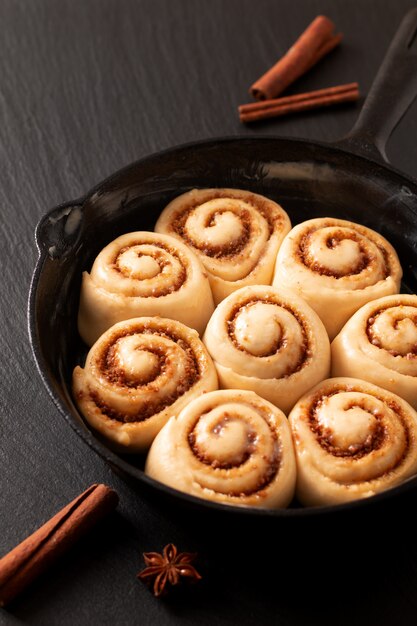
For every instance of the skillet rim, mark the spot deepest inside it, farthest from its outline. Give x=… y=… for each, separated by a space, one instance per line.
x=344 y=146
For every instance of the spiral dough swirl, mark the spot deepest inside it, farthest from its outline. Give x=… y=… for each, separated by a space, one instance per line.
x=379 y=344
x=138 y=374
x=229 y=446
x=352 y=440
x=337 y=266
x=235 y=233
x=270 y=341
x=141 y=274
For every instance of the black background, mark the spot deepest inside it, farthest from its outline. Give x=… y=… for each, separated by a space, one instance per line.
x=87 y=86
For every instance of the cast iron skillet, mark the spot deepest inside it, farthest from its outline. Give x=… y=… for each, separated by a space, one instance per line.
x=350 y=179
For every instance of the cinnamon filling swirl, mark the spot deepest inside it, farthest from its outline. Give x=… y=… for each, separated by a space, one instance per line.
x=229 y=446
x=147 y=378
x=147 y=409
x=139 y=373
x=363 y=258
x=337 y=266
x=228 y=249
x=325 y=436
x=235 y=233
x=133 y=262
x=376 y=435
x=399 y=344
x=277 y=343
x=142 y=274
x=353 y=440
x=239 y=457
x=179 y=222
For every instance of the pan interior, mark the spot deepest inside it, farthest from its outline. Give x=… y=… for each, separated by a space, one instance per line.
x=307 y=179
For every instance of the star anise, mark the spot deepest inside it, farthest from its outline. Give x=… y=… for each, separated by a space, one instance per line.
x=168 y=568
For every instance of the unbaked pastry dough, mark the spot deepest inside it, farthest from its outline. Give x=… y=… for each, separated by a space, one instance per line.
x=137 y=375
x=337 y=266
x=228 y=446
x=140 y=274
x=270 y=341
x=379 y=344
x=235 y=233
x=352 y=440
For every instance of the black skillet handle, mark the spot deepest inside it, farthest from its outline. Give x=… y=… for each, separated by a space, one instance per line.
x=391 y=94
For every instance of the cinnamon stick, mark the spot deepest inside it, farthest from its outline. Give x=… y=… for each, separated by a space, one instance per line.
x=300 y=102
x=315 y=42
x=35 y=554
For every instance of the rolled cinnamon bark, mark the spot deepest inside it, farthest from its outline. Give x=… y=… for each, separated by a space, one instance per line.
x=315 y=42
x=300 y=102
x=35 y=554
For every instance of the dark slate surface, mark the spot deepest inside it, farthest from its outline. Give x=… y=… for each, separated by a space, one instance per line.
x=86 y=87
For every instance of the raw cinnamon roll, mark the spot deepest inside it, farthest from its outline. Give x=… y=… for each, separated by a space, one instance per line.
x=379 y=344
x=137 y=375
x=229 y=446
x=235 y=233
x=352 y=440
x=270 y=341
x=141 y=274
x=337 y=266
